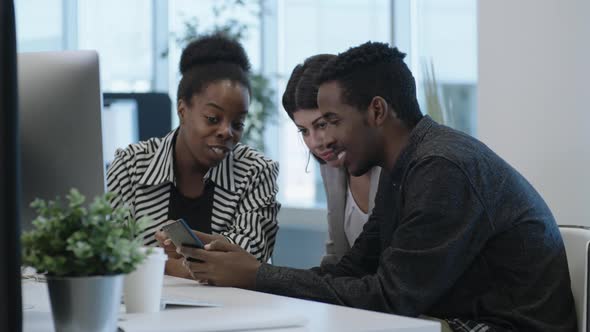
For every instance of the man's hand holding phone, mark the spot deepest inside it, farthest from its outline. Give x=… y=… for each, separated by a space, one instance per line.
x=222 y=264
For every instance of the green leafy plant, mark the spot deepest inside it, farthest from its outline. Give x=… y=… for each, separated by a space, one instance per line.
x=433 y=97
x=72 y=240
x=262 y=108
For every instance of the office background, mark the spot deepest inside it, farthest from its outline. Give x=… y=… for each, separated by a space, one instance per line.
x=513 y=74
x=533 y=96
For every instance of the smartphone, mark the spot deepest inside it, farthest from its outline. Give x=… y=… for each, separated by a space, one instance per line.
x=182 y=235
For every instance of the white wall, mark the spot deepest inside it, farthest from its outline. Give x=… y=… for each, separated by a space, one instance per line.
x=534 y=96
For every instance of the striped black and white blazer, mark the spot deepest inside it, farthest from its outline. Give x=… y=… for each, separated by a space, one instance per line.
x=244 y=202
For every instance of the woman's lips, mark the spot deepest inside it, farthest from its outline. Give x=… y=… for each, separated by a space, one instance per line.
x=219 y=151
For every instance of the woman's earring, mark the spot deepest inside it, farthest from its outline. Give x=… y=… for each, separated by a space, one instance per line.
x=307 y=164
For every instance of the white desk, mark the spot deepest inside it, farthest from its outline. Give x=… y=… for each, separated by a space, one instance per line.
x=235 y=303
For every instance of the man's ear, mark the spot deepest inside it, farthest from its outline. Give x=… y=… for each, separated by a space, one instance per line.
x=378 y=111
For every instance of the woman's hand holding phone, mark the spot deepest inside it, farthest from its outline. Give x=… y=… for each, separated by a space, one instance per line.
x=169 y=247
x=175 y=264
x=176 y=237
x=177 y=268
x=208 y=238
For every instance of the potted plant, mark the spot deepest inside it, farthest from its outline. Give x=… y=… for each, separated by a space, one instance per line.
x=84 y=253
x=434 y=105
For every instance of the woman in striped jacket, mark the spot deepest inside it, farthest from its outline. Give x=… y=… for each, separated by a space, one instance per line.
x=199 y=172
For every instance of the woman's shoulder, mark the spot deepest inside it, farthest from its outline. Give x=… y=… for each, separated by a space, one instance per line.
x=246 y=166
x=336 y=175
x=140 y=150
x=245 y=156
x=133 y=160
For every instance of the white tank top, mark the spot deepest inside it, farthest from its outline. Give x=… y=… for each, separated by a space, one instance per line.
x=354 y=218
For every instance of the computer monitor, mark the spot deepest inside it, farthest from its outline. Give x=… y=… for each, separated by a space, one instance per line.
x=60 y=126
x=10 y=284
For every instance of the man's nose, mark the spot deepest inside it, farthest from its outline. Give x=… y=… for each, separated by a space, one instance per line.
x=328 y=139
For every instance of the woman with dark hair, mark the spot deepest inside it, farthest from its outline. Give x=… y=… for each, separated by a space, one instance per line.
x=199 y=172
x=350 y=199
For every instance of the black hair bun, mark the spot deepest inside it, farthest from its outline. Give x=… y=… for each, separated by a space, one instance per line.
x=212 y=49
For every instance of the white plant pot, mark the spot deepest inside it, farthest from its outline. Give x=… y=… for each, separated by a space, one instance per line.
x=85 y=303
x=143 y=287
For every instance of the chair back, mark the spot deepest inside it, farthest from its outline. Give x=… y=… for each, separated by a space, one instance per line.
x=576 y=240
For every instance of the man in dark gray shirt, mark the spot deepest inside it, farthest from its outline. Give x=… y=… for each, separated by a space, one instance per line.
x=456 y=232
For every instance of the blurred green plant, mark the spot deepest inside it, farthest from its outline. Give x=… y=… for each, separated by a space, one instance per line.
x=262 y=106
x=73 y=241
x=435 y=106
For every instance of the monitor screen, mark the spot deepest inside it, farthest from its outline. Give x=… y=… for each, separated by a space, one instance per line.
x=60 y=126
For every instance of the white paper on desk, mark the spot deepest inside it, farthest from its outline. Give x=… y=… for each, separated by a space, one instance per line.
x=210 y=319
x=168 y=302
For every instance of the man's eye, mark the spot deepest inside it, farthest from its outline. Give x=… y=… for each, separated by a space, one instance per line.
x=322 y=125
x=212 y=119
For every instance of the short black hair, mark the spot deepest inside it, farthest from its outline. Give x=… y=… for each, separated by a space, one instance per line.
x=302 y=89
x=375 y=69
x=211 y=58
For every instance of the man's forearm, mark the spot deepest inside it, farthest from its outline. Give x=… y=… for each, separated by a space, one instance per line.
x=304 y=284
x=371 y=292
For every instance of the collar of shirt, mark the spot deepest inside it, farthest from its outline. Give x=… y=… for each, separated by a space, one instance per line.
x=161 y=167
x=416 y=136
